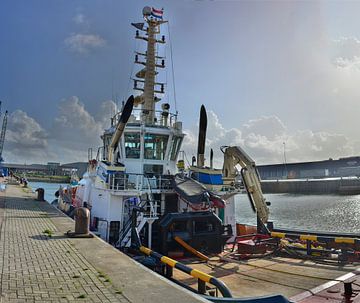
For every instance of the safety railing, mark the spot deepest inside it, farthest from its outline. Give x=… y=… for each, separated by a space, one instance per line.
x=202 y=277
x=139 y=182
x=161 y=118
x=147 y=210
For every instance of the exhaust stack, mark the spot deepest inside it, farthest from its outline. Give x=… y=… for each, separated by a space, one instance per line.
x=202 y=137
x=125 y=115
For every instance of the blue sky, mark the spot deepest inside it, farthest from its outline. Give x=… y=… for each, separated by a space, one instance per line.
x=268 y=72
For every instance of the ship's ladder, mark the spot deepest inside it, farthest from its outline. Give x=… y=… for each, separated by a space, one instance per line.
x=147 y=215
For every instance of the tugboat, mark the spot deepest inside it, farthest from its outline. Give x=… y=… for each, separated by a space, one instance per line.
x=143 y=199
x=135 y=172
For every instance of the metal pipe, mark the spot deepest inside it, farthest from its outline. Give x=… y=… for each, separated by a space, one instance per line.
x=125 y=115
x=225 y=291
x=202 y=137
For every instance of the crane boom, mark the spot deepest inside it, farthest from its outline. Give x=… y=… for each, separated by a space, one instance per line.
x=234 y=155
x=125 y=115
x=2 y=135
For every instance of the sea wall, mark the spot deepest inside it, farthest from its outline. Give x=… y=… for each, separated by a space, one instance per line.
x=313 y=186
x=49 y=179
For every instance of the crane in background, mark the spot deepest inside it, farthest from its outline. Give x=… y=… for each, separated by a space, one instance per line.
x=3 y=132
x=2 y=135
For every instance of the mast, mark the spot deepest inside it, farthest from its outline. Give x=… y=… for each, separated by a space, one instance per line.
x=148 y=98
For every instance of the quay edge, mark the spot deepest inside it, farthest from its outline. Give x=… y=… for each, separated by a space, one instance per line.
x=137 y=283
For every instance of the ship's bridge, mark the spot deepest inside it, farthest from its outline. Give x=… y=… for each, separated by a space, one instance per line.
x=149 y=149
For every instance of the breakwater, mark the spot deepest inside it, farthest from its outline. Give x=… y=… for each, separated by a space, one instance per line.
x=345 y=186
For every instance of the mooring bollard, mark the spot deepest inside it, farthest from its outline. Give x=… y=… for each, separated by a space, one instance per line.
x=40 y=194
x=82 y=221
x=82 y=224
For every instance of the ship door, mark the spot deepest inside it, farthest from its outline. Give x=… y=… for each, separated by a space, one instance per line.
x=114 y=232
x=171 y=203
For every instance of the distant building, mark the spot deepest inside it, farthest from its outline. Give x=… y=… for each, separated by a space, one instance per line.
x=80 y=167
x=54 y=168
x=343 y=167
x=51 y=168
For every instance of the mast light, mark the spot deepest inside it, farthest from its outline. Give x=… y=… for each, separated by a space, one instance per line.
x=146 y=11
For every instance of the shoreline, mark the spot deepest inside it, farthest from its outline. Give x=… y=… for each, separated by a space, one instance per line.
x=48 y=179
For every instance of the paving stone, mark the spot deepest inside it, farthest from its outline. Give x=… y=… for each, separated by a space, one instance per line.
x=38 y=268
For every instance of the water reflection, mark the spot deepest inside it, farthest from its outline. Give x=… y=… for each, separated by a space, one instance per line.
x=331 y=213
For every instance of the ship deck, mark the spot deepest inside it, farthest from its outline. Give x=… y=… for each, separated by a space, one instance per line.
x=271 y=275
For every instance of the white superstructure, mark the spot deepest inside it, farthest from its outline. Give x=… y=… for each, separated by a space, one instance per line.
x=134 y=170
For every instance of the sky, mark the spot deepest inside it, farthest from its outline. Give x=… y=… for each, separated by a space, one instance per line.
x=279 y=78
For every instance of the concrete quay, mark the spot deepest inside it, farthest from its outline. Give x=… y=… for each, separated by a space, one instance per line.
x=49 y=267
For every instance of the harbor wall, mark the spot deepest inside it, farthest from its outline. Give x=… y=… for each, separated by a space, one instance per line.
x=49 y=179
x=313 y=186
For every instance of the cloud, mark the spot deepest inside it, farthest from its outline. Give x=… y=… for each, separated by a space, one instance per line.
x=25 y=138
x=72 y=132
x=76 y=128
x=263 y=139
x=270 y=127
x=79 y=18
x=84 y=43
x=347 y=52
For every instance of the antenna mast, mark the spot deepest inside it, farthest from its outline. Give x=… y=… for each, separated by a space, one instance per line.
x=148 y=98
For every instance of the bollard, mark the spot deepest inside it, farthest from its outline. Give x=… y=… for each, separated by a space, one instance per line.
x=40 y=194
x=82 y=221
x=348 y=291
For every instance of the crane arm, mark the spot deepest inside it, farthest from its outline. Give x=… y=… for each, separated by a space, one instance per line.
x=234 y=155
x=125 y=115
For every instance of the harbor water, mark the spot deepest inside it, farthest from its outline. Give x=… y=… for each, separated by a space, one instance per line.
x=329 y=213
x=50 y=189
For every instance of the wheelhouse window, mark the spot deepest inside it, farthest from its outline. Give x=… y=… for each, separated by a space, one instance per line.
x=155 y=146
x=132 y=145
x=175 y=148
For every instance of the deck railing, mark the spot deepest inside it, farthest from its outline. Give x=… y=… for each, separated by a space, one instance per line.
x=162 y=118
x=139 y=182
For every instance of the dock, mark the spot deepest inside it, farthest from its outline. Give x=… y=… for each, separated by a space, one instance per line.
x=38 y=263
x=294 y=278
